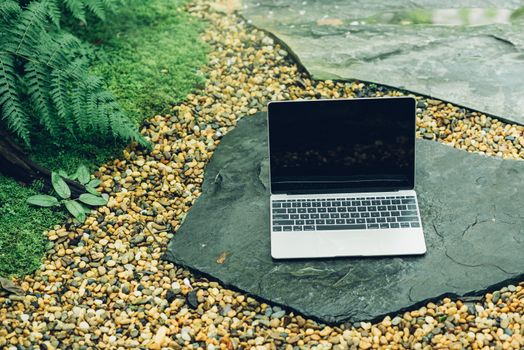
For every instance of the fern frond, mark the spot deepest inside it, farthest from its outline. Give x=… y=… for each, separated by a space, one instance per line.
x=53 y=12
x=77 y=9
x=36 y=79
x=9 y=11
x=29 y=27
x=12 y=110
x=97 y=8
x=60 y=98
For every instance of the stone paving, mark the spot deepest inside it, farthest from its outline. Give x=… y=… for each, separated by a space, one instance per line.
x=469 y=53
x=467 y=224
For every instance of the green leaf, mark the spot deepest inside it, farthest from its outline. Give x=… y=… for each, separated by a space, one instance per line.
x=94 y=183
x=82 y=174
x=90 y=199
x=42 y=200
x=92 y=190
x=76 y=210
x=60 y=186
x=86 y=209
x=62 y=173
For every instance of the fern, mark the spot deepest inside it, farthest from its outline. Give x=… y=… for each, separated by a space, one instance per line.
x=12 y=111
x=45 y=81
x=99 y=8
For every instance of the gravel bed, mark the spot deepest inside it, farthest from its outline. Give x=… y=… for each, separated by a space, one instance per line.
x=103 y=284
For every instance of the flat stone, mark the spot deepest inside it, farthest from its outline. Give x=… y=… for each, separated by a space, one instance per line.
x=471 y=213
x=440 y=48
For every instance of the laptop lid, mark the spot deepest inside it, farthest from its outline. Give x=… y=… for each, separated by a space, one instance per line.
x=337 y=146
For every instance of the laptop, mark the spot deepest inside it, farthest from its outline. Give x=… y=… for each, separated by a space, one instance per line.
x=342 y=176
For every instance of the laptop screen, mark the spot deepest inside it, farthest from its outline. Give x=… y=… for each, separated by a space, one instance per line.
x=353 y=145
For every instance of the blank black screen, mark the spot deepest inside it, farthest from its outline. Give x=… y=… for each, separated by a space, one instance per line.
x=353 y=145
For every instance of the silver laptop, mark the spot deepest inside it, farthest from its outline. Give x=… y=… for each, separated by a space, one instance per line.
x=342 y=178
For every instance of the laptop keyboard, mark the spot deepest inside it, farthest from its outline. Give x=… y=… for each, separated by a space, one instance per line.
x=345 y=213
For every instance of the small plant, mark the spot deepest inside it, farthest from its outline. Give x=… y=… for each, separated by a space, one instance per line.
x=77 y=207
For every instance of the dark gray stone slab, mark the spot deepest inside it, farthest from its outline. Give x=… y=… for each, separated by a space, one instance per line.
x=471 y=210
x=478 y=66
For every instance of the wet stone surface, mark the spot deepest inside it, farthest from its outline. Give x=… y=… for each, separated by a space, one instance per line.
x=469 y=54
x=470 y=212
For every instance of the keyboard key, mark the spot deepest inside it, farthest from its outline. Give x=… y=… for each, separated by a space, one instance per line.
x=366 y=215
x=309 y=228
x=295 y=205
x=341 y=210
x=375 y=214
x=361 y=221
x=352 y=209
x=355 y=203
x=314 y=216
x=306 y=205
x=375 y=202
x=366 y=203
x=384 y=225
x=402 y=207
x=286 y=205
x=381 y=208
x=336 y=204
x=408 y=201
x=280 y=217
x=297 y=228
x=311 y=210
x=341 y=227
x=392 y=207
x=394 y=225
x=324 y=216
x=304 y=216
x=302 y=210
x=277 y=228
x=330 y=221
x=385 y=202
x=334 y=215
x=372 y=208
x=379 y=220
x=332 y=210
x=291 y=210
x=350 y=221
x=279 y=211
x=294 y=216
x=385 y=213
x=395 y=201
x=390 y=219
x=412 y=207
x=283 y=222
x=372 y=226
x=415 y=224
x=316 y=204
x=277 y=205
x=320 y=221
x=340 y=221
x=299 y=222
x=321 y=210
x=288 y=228
x=361 y=209
x=404 y=224
x=355 y=215
x=407 y=218
x=408 y=213
x=344 y=215
x=371 y=220
x=395 y=213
